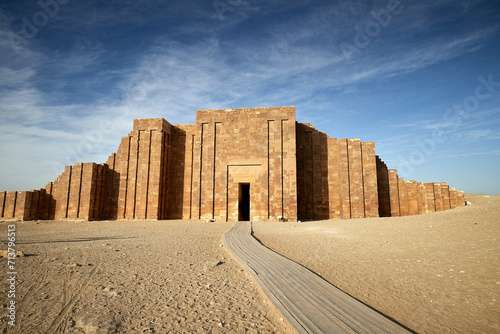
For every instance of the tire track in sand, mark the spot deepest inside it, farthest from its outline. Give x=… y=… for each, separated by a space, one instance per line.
x=68 y=306
x=40 y=275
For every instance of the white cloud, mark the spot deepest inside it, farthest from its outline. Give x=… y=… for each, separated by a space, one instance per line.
x=287 y=64
x=471 y=154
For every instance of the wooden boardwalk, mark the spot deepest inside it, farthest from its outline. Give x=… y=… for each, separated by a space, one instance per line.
x=309 y=303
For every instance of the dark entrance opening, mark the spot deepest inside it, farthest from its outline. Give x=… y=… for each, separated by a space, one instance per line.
x=244 y=202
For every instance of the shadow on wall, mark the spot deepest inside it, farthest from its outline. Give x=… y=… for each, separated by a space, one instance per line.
x=345 y=179
x=335 y=178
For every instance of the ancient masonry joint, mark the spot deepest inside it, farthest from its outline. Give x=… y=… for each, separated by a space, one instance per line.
x=233 y=164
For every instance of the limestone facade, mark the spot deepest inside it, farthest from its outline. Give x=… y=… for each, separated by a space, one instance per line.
x=233 y=164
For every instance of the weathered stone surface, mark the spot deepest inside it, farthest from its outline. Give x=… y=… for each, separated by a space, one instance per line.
x=233 y=164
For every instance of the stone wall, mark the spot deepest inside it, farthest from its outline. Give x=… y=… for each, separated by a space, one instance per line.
x=244 y=146
x=78 y=193
x=140 y=174
x=313 y=189
x=335 y=178
x=200 y=171
x=25 y=205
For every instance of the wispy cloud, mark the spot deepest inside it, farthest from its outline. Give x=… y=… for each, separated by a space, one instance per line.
x=425 y=125
x=122 y=60
x=471 y=154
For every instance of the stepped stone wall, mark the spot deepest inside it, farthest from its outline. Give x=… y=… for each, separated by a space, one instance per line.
x=288 y=170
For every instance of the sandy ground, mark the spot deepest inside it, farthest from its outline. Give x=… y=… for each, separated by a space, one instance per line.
x=131 y=277
x=435 y=273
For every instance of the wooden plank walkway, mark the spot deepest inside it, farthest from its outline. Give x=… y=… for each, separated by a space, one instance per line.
x=309 y=303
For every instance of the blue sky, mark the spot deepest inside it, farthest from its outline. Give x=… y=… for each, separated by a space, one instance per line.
x=420 y=78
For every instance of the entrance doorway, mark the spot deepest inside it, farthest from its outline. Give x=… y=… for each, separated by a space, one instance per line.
x=244 y=202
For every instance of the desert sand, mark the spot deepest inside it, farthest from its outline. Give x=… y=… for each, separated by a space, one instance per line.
x=433 y=273
x=132 y=277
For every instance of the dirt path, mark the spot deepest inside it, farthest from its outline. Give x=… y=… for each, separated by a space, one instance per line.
x=311 y=304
